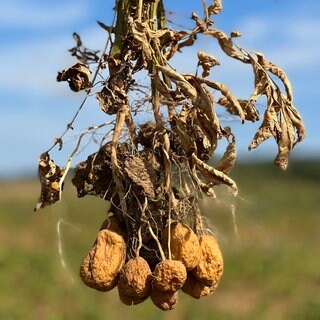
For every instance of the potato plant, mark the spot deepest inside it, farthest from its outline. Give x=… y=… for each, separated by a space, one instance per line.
x=152 y=162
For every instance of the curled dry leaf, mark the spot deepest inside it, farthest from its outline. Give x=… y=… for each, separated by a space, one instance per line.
x=283 y=122
x=228 y=159
x=214 y=176
x=50 y=178
x=78 y=77
x=207 y=62
x=268 y=128
x=235 y=34
x=227 y=94
x=215 y=7
x=249 y=110
x=277 y=71
x=185 y=87
x=226 y=44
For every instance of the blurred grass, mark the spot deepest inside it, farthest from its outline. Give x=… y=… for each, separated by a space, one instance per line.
x=272 y=265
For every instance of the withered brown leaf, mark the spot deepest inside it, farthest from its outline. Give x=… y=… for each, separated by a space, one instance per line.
x=248 y=107
x=50 y=178
x=78 y=77
x=207 y=61
x=215 y=7
x=214 y=176
x=228 y=159
x=226 y=44
x=277 y=71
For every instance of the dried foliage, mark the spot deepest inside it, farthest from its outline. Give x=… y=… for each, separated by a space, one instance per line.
x=78 y=77
x=153 y=159
x=51 y=181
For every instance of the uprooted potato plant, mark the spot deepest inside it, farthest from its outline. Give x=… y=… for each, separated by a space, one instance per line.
x=152 y=161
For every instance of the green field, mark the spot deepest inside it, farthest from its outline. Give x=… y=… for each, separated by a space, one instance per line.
x=272 y=253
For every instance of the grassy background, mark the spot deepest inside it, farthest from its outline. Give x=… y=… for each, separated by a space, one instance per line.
x=272 y=263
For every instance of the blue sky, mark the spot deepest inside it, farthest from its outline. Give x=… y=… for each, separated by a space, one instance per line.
x=35 y=37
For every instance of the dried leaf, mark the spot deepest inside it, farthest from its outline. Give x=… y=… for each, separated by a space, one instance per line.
x=209 y=137
x=141 y=175
x=214 y=176
x=207 y=62
x=285 y=140
x=188 y=42
x=228 y=94
x=205 y=188
x=201 y=24
x=111 y=98
x=290 y=122
x=235 y=34
x=262 y=81
x=281 y=119
x=248 y=107
x=78 y=77
x=109 y=29
x=140 y=42
x=50 y=178
x=277 y=71
x=269 y=127
x=180 y=125
x=296 y=120
x=186 y=88
x=226 y=44
x=228 y=160
x=215 y=7
x=163 y=89
x=204 y=101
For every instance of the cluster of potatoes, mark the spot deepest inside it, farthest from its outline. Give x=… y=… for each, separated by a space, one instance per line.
x=195 y=266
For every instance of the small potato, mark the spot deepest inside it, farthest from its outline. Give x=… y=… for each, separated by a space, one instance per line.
x=100 y=268
x=184 y=244
x=169 y=275
x=210 y=268
x=134 y=279
x=164 y=300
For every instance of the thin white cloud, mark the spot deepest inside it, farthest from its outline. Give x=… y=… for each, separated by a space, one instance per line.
x=288 y=42
x=28 y=14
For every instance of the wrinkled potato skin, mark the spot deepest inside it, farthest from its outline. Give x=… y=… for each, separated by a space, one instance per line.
x=184 y=244
x=196 y=289
x=210 y=268
x=164 y=300
x=134 y=279
x=169 y=275
x=100 y=268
